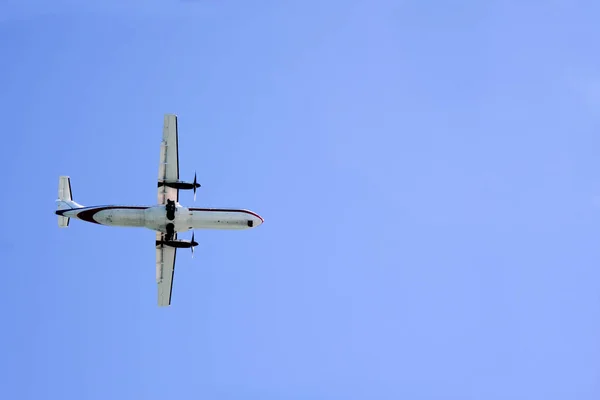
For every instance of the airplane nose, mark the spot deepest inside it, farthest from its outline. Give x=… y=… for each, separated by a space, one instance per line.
x=254 y=220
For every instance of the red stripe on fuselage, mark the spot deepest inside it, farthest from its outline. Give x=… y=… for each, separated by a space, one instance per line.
x=227 y=210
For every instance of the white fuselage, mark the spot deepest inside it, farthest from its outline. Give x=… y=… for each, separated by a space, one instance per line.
x=155 y=217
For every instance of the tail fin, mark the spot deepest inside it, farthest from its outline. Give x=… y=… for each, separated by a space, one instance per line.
x=64 y=188
x=65 y=200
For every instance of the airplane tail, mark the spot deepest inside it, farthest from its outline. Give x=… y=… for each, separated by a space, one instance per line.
x=65 y=200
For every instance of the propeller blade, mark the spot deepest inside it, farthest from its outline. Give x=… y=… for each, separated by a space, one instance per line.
x=193 y=245
x=195 y=185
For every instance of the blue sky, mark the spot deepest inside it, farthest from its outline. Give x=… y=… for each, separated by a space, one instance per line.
x=427 y=171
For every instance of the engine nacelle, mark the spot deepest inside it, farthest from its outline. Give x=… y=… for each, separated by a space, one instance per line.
x=179 y=185
x=180 y=244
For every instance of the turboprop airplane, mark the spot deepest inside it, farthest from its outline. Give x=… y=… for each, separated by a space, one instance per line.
x=167 y=218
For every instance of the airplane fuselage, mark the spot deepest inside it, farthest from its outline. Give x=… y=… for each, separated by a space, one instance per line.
x=157 y=218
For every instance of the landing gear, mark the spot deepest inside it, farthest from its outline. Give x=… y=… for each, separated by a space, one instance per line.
x=170 y=210
x=170 y=232
x=170 y=207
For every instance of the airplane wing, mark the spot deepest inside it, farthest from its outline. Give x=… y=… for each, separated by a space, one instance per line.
x=165 y=269
x=168 y=169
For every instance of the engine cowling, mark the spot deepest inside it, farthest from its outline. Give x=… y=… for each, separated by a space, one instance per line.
x=181 y=185
x=180 y=244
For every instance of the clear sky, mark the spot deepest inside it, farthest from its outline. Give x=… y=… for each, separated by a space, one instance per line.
x=428 y=172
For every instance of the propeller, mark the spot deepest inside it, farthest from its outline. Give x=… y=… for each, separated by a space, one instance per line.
x=196 y=185
x=193 y=244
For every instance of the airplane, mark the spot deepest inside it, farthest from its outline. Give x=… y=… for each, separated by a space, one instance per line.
x=167 y=218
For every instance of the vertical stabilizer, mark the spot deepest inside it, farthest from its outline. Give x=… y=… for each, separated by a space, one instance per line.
x=64 y=188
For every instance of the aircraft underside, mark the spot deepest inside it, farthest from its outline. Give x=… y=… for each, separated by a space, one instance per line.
x=167 y=217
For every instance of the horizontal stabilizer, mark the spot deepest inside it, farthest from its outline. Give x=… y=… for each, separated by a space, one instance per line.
x=65 y=200
x=63 y=222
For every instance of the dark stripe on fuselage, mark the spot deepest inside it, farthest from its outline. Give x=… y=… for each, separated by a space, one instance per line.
x=88 y=214
x=61 y=212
